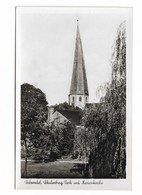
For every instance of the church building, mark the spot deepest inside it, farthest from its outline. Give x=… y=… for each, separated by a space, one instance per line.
x=79 y=93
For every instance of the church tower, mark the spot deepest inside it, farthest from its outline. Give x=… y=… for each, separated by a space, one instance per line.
x=79 y=94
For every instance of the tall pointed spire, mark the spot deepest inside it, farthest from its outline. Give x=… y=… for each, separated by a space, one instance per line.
x=79 y=86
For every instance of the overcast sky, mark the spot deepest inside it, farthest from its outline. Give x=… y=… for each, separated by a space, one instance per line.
x=46 y=44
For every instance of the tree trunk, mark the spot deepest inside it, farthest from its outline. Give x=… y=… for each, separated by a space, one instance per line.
x=26 y=159
x=91 y=171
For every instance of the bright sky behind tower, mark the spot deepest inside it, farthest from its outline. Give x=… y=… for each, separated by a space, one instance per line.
x=46 y=42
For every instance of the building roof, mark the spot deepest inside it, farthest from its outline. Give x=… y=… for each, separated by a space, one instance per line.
x=72 y=116
x=79 y=84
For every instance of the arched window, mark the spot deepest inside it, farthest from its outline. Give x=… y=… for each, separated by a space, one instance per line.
x=73 y=98
x=80 y=98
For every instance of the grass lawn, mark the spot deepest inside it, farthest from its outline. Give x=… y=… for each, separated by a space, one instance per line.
x=57 y=169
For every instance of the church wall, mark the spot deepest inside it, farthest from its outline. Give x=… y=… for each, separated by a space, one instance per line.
x=78 y=100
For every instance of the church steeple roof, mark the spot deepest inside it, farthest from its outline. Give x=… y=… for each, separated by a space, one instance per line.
x=79 y=84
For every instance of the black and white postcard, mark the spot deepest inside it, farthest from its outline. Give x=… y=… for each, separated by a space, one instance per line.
x=73 y=98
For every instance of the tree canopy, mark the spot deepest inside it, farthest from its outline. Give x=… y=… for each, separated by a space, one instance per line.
x=66 y=106
x=33 y=109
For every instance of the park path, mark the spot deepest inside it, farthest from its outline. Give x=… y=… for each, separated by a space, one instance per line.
x=72 y=161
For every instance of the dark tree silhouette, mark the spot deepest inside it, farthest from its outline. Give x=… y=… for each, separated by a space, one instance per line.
x=33 y=119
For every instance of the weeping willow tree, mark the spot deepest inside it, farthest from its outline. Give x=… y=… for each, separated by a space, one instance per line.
x=118 y=101
x=105 y=122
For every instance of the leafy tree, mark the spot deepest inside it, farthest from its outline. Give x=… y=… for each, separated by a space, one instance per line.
x=118 y=100
x=33 y=119
x=61 y=139
x=66 y=106
x=67 y=144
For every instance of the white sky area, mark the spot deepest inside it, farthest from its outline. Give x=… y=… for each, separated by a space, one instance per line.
x=46 y=44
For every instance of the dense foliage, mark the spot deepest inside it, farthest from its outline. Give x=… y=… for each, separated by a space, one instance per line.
x=64 y=131
x=66 y=106
x=105 y=123
x=33 y=120
x=61 y=139
x=39 y=140
x=33 y=115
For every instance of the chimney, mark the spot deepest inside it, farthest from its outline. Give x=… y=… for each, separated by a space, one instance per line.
x=50 y=113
